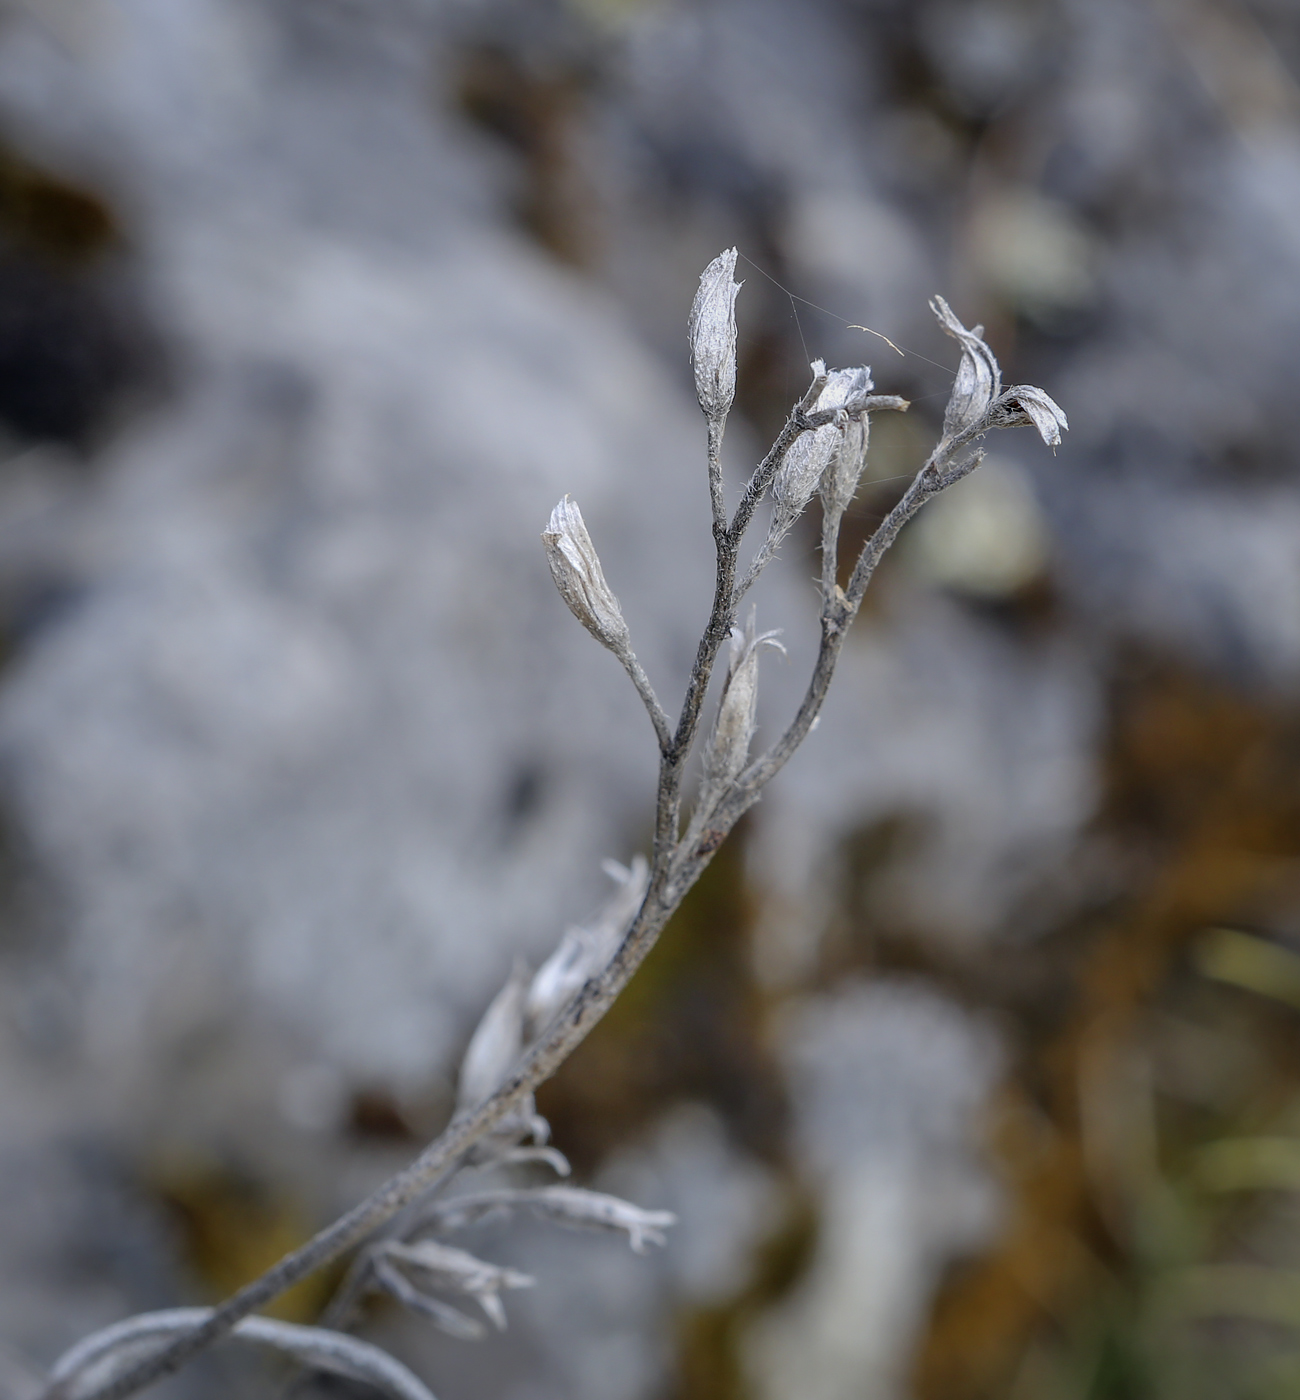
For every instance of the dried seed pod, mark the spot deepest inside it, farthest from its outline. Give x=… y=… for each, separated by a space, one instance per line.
x=575 y=567
x=978 y=381
x=808 y=457
x=711 y=331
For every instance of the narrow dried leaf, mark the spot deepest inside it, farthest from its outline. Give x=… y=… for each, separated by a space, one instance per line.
x=455 y=1270
x=592 y=1210
x=495 y=1045
x=97 y=1359
x=532 y=1156
x=443 y=1316
x=566 y=1205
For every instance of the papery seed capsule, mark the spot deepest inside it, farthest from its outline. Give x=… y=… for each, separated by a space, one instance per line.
x=575 y=567
x=711 y=331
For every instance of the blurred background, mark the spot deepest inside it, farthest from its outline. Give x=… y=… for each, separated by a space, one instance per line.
x=971 y=1067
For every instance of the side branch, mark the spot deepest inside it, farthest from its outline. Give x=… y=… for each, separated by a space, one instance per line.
x=658 y=715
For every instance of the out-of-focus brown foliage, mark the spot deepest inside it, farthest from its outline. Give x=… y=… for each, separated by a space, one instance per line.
x=1202 y=815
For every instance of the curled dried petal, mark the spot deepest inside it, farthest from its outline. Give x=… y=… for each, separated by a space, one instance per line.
x=978 y=381
x=1025 y=405
x=711 y=331
x=575 y=567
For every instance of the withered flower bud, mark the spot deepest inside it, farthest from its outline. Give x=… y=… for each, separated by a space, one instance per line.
x=733 y=729
x=712 y=334
x=575 y=567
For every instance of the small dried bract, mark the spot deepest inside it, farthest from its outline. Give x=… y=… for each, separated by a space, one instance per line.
x=711 y=331
x=575 y=567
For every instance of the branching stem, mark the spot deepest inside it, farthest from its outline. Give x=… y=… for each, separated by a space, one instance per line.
x=677 y=863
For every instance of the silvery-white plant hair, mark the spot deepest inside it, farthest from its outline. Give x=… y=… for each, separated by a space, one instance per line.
x=398 y=1234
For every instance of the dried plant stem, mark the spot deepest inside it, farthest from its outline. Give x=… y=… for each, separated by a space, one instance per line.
x=673 y=872
x=677 y=862
x=313 y=1346
x=717 y=501
x=658 y=715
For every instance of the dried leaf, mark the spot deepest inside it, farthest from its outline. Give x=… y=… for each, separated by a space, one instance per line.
x=495 y=1045
x=458 y=1271
x=565 y=1205
x=585 y=950
x=96 y=1360
x=443 y=1316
